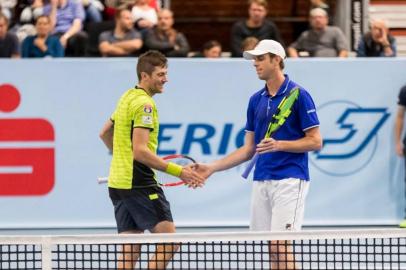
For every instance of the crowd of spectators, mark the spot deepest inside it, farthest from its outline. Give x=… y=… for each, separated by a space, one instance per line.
x=58 y=28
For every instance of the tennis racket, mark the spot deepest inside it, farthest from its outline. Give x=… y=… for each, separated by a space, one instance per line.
x=278 y=119
x=164 y=179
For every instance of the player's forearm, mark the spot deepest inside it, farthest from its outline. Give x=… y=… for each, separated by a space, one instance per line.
x=305 y=144
x=107 y=139
x=239 y=156
x=143 y=155
x=106 y=134
x=398 y=128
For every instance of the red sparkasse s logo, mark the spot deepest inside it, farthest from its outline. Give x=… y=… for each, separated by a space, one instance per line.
x=27 y=162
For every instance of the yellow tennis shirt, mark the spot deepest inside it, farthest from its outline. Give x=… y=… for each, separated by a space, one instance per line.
x=135 y=109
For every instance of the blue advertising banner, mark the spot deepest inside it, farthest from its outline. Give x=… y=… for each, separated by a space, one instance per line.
x=51 y=112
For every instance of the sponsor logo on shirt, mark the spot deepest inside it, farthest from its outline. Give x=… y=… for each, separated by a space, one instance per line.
x=147 y=108
x=147 y=120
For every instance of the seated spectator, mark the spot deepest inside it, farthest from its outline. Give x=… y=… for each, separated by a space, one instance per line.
x=66 y=21
x=7 y=8
x=211 y=49
x=42 y=44
x=93 y=10
x=249 y=44
x=257 y=25
x=155 y=4
x=8 y=41
x=30 y=11
x=321 y=40
x=144 y=15
x=377 y=42
x=164 y=38
x=112 y=5
x=319 y=4
x=124 y=40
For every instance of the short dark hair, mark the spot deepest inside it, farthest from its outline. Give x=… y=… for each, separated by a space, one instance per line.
x=281 y=63
x=263 y=3
x=119 y=10
x=42 y=16
x=2 y=16
x=149 y=60
x=210 y=44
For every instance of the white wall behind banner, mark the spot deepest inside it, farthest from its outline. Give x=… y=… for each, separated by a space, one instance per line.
x=356 y=178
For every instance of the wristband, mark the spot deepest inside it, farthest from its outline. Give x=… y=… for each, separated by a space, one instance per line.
x=174 y=169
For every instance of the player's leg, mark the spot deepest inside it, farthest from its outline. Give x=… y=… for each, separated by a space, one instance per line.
x=129 y=254
x=287 y=215
x=156 y=216
x=164 y=252
x=403 y=222
x=261 y=204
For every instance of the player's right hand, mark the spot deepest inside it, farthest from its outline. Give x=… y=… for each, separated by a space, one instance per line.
x=191 y=177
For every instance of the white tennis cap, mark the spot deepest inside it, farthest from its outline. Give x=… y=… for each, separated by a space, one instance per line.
x=266 y=46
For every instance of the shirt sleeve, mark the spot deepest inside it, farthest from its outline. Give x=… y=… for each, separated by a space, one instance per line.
x=402 y=97
x=342 y=43
x=104 y=36
x=78 y=11
x=25 y=47
x=307 y=111
x=134 y=34
x=249 y=126
x=361 y=52
x=113 y=116
x=298 y=44
x=144 y=115
x=16 y=45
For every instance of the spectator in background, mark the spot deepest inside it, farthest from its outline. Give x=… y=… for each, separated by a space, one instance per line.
x=164 y=38
x=93 y=10
x=66 y=21
x=42 y=44
x=257 y=25
x=7 y=8
x=124 y=40
x=30 y=11
x=377 y=42
x=210 y=49
x=319 y=4
x=9 y=47
x=249 y=43
x=144 y=16
x=321 y=40
x=400 y=142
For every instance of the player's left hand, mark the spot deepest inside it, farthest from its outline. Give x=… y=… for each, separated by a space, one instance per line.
x=268 y=145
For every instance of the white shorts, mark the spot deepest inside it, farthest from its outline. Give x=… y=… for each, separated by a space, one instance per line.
x=278 y=205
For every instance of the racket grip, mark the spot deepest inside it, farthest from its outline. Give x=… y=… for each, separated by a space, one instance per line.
x=102 y=180
x=250 y=166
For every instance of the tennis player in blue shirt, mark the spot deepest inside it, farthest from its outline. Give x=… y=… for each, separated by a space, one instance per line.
x=281 y=176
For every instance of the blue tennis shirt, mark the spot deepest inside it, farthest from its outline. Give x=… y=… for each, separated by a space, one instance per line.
x=261 y=107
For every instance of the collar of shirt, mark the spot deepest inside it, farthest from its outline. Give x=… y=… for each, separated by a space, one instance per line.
x=281 y=91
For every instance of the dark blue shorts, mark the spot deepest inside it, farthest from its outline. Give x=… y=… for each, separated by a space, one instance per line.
x=140 y=209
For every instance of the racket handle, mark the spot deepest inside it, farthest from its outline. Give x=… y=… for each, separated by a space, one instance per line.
x=102 y=180
x=250 y=166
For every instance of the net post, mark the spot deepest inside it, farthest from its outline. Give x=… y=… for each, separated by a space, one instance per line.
x=46 y=253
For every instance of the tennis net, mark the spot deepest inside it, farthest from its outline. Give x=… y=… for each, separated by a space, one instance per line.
x=330 y=249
